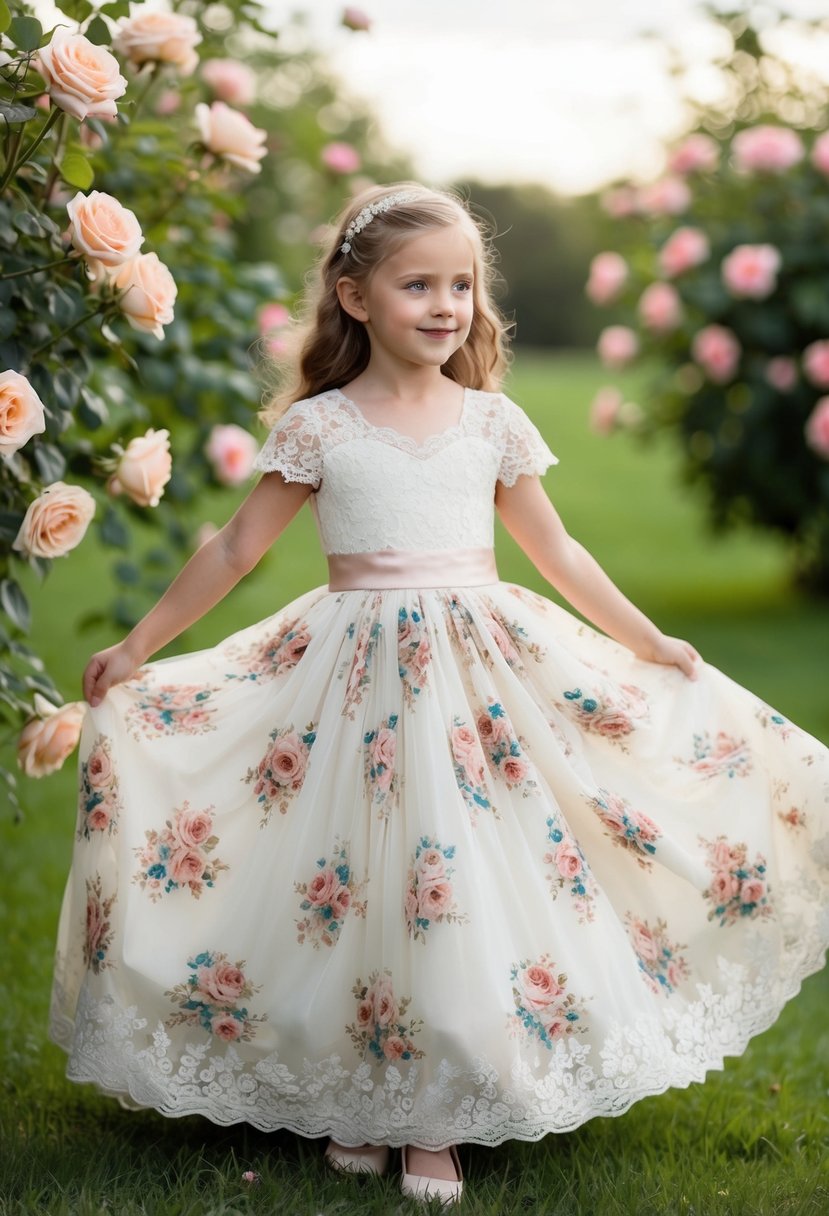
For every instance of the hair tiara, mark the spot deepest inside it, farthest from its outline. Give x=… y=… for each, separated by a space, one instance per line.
x=364 y=217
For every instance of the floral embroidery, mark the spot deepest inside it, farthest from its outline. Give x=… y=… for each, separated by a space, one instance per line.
x=571 y=870
x=177 y=856
x=172 y=709
x=211 y=998
x=379 y=1026
x=737 y=888
x=98 y=798
x=272 y=656
x=770 y=719
x=359 y=667
x=660 y=962
x=414 y=652
x=631 y=829
x=281 y=771
x=611 y=717
x=722 y=754
x=460 y=626
x=470 y=766
x=544 y=1009
x=379 y=756
x=511 y=639
x=429 y=891
x=99 y=932
x=328 y=898
x=503 y=748
x=793 y=817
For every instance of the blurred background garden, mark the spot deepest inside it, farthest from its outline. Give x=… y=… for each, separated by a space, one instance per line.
x=658 y=184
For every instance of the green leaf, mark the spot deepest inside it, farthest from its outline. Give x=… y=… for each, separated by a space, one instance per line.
x=8 y=322
x=98 y=32
x=50 y=461
x=76 y=170
x=79 y=10
x=5 y=17
x=14 y=111
x=113 y=529
x=118 y=8
x=10 y=522
x=92 y=410
x=27 y=223
x=127 y=572
x=14 y=603
x=25 y=32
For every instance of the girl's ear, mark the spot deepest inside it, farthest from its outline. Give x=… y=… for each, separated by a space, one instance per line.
x=350 y=295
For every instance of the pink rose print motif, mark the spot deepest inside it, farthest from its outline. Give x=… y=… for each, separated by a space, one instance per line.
x=99 y=932
x=512 y=639
x=171 y=709
x=631 y=829
x=213 y=998
x=359 y=668
x=459 y=626
x=611 y=717
x=570 y=869
x=379 y=1027
x=274 y=656
x=722 y=754
x=470 y=767
x=281 y=771
x=380 y=748
x=544 y=1009
x=793 y=817
x=662 y=966
x=177 y=857
x=430 y=896
x=99 y=802
x=414 y=653
x=737 y=889
x=331 y=895
x=771 y=720
x=504 y=750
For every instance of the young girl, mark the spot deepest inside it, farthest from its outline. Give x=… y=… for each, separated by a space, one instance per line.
x=422 y=858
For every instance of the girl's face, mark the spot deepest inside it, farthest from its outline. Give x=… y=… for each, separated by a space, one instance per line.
x=417 y=306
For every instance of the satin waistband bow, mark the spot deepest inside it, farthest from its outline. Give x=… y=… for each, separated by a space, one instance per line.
x=394 y=568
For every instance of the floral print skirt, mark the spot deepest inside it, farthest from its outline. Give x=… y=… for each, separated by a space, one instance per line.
x=431 y=866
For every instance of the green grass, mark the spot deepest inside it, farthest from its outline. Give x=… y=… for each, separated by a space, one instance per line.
x=752 y=1140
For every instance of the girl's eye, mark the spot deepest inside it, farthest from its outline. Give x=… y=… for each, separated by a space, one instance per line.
x=417 y=283
x=464 y=284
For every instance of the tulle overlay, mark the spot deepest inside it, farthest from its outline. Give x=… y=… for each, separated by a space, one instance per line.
x=429 y=866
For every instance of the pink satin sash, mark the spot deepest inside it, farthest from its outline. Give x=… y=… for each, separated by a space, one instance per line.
x=395 y=568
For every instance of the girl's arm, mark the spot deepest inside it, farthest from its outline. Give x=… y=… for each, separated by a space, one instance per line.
x=533 y=521
x=205 y=579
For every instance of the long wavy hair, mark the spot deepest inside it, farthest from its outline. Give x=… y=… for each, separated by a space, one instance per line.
x=326 y=348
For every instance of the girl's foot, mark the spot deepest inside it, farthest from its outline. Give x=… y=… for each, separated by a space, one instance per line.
x=366 y=1159
x=432 y=1175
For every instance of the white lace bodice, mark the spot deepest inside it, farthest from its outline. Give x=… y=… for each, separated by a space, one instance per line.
x=377 y=489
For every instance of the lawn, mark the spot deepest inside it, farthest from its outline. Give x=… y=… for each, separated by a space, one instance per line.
x=752 y=1139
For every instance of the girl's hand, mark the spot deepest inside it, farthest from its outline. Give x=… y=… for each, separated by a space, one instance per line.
x=105 y=668
x=675 y=652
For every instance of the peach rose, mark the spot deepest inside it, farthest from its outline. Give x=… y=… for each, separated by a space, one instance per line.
x=21 y=412
x=394 y=1047
x=383 y=748
x=766 y=149
x=385 y=1006
x=608 y=275
x=696 y=153
x=98 y=768
x=668 y=196
x=514 y=769
x=750 y=271
x=644 y=942
x=340 y=158
x=168 y=102
x=148 y=293
x=365 y=1014
x=159 y=37
x=660 y=308
x=192 y=828
x=434 y=898
x=567 y=859
x=321 y=888
x=781 y=373
x=604 y=410
x=501 y=639
x=340 y=902
x=226 y=1027
x=231 y=135
x=294 y=648
x=186 y=865
x=684 y=249
x=817 y=428
x=356 y=19
x=724 y=886
x=540 y=987
x=717 y=351
x=81 y=78
x=230 y=80
x=144 y=468
x=46 y=740
x=820 y=153
x=721 y=854
x=816 y=363
x=288 y=760
x=222 y=983
x=101 y=228
x=231 y=449
x=55 y=522
x=617 y=345
x=273 y=316
x=752 y=890
x=465 y=747
x=98 y=818
x=430 y=865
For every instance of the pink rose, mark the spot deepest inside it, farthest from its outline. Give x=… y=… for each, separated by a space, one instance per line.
x=567 y=859
x=383 y=748
x=144 y=468
x=608 y=275
x=724 y=886
x=696 y=153
x=288 y=760
x=752 y=890
x=168 y=102
x=340 y=158
x=668 y=196
x=81 y=78
x=193 y=720
x=617 y=345
x=721 y=855
x=466 y=748
x=612 y=722
x=231 y=449
x=675 y=974
x=494 y=728
x=55 y=522
x=230 y=80
x=356 y=19
x=101 y=228
x=159 y=37
x=410 y=906
x=817 y=428
x=273 y=316
x=717 y=352
x=540 y=987
x=192 y=828
x=648 y=831
x=781 y=373
x=750 y=271
x=620 y=202
x=434 y=898
x=147 y=293
x=816 y=363
x=231 y=135
x=226 y=1027
x=321 y=888
x=95 y=923
x=644 y=942
x=186 y=865
x=292 y=649
x=820 y=153
x=365 y=1014
x=222 y=983
x=684 y=249
x=501 y=639
x=394 y=1047
x=430 y=865
x=660 y=308
x=421 y=658
x=766 y=149
x=340 y=902
x=385 y=1006
x=554 y=1023
x=604 y=410
x=514 y=769
x=98 y=818
x=613 y=812
x=98 y=768
x=21 y=412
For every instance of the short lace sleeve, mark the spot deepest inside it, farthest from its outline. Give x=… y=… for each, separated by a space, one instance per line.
x=524 y=449
x=293 y=447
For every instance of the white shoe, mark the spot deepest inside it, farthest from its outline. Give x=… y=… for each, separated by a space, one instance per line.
x=416 y=1186
x=367 y=1159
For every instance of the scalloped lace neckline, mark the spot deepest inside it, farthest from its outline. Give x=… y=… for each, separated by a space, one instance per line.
x=408 y=443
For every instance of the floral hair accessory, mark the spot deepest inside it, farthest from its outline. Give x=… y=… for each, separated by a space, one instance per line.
x=368 y=213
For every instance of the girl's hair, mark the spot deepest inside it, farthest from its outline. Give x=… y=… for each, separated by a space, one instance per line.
x=327 y=348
